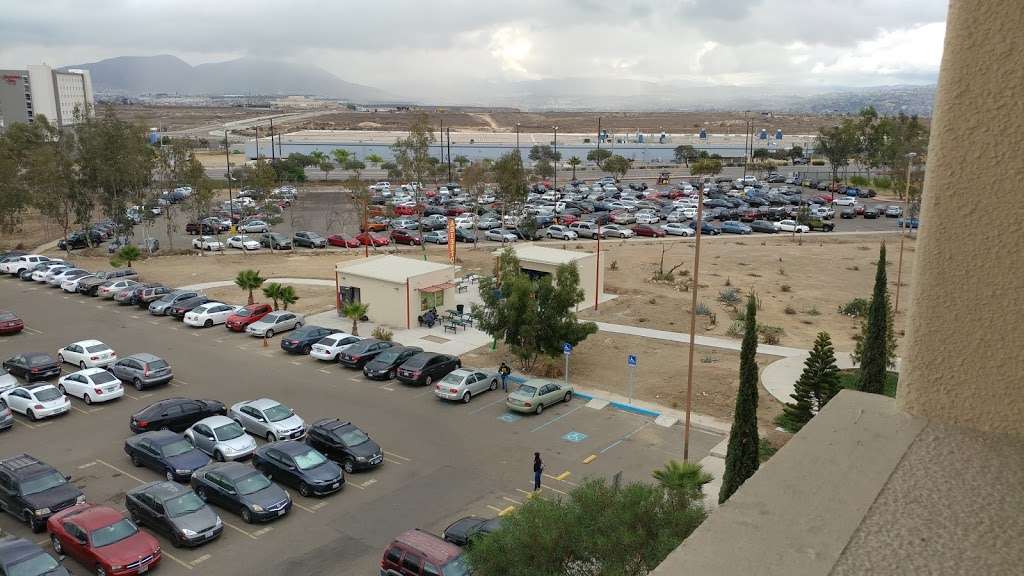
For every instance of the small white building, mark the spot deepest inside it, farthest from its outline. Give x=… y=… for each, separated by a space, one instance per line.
x=537 y=261
x=397 y=289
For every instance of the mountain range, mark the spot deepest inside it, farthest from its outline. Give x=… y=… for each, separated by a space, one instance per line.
x=137 y=75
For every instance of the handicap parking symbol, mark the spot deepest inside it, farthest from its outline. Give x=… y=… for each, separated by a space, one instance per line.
x=575 y=437
x=509 y=417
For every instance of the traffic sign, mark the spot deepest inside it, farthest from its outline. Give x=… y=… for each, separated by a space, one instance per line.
x=567 y=348
x=631 y=360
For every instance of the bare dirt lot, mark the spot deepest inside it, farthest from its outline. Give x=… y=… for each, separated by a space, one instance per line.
x=173 y=118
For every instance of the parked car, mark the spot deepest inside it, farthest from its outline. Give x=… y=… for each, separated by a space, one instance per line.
x=435 y=237
x=19 y=557
x=871 y=213
x=243 y=242
x=209 y=314
x=464 y=530
x=371 y=239
x=705 y=228
x=359 y=353
x=130 y=296
x=10 y=323
x=268 y=419
x=201 y=228
x=20 y=263
x=893 y=211
x=425 y=368
x=819 y=224
x=159 y=306
x=179 y=309
x=242 y=317
x=419 y=553
x=254 y=227
x=560 y=232
x=36 y=401
x=72 y=284
x=677 y=229
x=344 y=443
x=328 y=347
x=175 y=414
x=300 y=466
x=89 y=286
x=87 y=354
x=142 y=370
x=167 y=453
x=174 y=511
x=908 y=223
x=848 y=213
x=534 y=395
x=33 y=490
x=463 y=384
x=649 y=230
x=239 y=488
x=616 y=231
x=301 y=341
x=32 y=366
x=91 y=385
x=221 y=437
x=765 y=226
x=791 y=226
x=275 y=241
x=68 y=274
x=274 y=323
x=734 y=227
x=102 y=539
x=846 y=201
x=342 y=241
x=404 y=236
x=500 y=235
x=149 y=295
x=385 y=365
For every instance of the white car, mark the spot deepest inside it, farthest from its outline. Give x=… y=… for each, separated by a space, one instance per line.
x=109 y=290
x=7 y=382
x=91 y=385
x=208 y=314
x=45 y=275
x=647 y=218
x=616 y=231
x=463 y=384
x=465 y=222
x=66 y=274
x=791 y=226
x=328 y=347
x=275 y=323
x=71 y=285
x=208 y=243
x=26 y=261
x=222 y=438
x=39 y=401
x=243 y=242
x=254 y=227
x=677 y=229
x=500 y=235
x=560 y=232
x=846 y=201
x=266 y=418
x=87 y=354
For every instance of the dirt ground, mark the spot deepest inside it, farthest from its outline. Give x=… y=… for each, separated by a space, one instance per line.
x=312 y=299
x=173 y=118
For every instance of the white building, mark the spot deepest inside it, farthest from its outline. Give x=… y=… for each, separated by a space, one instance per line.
x=61 y=95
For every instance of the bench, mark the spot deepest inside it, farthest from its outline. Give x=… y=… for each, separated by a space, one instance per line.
x=451 y=326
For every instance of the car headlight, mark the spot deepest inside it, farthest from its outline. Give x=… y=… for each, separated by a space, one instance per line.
x=116 y=567
x=42 y=512
x=218 y=523
x=80 y=499
x=182 y=472
x=360 y=458
x=188 y=533
x=257 y=508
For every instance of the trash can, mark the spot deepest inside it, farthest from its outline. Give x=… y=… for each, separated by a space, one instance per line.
x=460 y=308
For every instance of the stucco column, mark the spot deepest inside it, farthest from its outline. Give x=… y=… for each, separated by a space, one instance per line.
x=964 y=359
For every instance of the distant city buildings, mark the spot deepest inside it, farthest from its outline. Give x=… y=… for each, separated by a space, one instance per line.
x=63 y=96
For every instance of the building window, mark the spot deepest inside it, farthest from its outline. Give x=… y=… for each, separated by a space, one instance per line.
x=430 y=300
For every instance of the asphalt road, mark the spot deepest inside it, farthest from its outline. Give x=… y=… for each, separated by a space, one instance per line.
x=443 y=461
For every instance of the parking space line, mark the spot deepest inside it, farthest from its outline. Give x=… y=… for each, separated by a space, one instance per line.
x=33 y=331
x=154 y=322
x=262 y=531
x=590 y=459
x=116 y=469
x=306 y=508
x=294 y=363
x=369 y=482
x=182 y=382
x=386 y=387
x=393 y=461
x=610 y=446
x=99 y=306
x=246 y=532
x=201 y=559
x=175 y=328
x=136 y=316
x=319 y=505
x=399 y=456
x=321 y=370
x=94 y=410
x=563 y=475
x=354 y=485
x=42 y=542
x=624 y=438
x=495 y=508
x=513 y=500
x=220 y=340
x=557 y=418
x=87 y=465
x=77 y=409
x=130 y=396
x=179 y=561
x=506 y=511
x=32 y=426
x=546 y=487
x=354 y=379
x=486 y=406
x=145 y=396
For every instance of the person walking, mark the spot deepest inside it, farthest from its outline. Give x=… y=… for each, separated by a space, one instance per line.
x=504 y=371
x=538 y=469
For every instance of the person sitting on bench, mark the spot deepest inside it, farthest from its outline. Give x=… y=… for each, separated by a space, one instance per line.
x=430 y=318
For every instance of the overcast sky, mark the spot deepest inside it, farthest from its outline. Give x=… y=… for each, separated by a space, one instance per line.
x=404 y=46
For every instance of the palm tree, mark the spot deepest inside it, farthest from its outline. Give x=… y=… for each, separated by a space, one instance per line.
x=127 y=254
x=326 y=168
x=355 y=311
x=273 y=291
x=341 y=157
x=684 y=478
x=249 y=280
x=374 y=159
x=574 y=162
x=288 y=296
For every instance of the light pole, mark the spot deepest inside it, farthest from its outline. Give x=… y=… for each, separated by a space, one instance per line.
x=555 y=157
x=694 y=287
x=597 y=274
x=903 y=233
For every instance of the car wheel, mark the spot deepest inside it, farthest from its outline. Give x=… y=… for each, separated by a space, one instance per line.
x=392 y=374
x=87 y=399
x=271 y=437
x=540 y=408
x=201 y=492
x=466 y=398
x=60 y=358
x=348 y=465
x=304 y=490
x=246 y=516
x=494 y=384
x=55 y=542
x=169 y=475
x=136 y=461
x=306 y=349
x=82 y=364
x=269 y=334
x=62 y=390
x=208 y=323
x=218 y=456
x=138 y=384
x=31 y=415
x=176 y=540
x=100 y=571
x=428 y=381
x=298 y=325
x=568 y=396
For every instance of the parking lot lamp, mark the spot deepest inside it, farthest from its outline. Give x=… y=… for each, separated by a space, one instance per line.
x=694 y=288
x=903 y=232
x=556 y=157
x=597 y=274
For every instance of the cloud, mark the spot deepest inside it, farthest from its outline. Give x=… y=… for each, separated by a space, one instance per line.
x=511 y=47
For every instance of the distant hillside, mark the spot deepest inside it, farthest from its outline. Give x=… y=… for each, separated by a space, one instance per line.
x=135 y=75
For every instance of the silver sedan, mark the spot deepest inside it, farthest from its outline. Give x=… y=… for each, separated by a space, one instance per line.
x=222 y=438
x=463 y=384
x=268 y=419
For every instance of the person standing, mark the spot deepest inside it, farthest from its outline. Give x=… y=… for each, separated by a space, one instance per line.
x=538 y=469
x=504 y=371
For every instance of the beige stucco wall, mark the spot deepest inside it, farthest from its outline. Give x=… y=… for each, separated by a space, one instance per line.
x=965 y=337
x=587 y=267
x=388 y=301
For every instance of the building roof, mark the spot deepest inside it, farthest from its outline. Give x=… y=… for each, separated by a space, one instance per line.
x=544 y=255
x=391 y=268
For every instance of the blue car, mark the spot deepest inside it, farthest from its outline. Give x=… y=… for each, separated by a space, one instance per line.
x=705 y=228
x=167 y=453
x=734 y=227
x=907 y=223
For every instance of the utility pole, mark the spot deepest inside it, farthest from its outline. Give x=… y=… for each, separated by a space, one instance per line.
x=257 y=142
x=598 y=132
x=449 y=155
x=440 y=138
x=694 y=288
x=597 y=275
x=273 y=155
x=556 y=158
x=227 y=163
x=903 y=232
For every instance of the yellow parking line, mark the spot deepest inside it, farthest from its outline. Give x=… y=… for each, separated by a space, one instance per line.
x=116 y=469
x=563 y=475
x=561 y=478
x=506 y=511
x=179 y=561
x=590 y=459
x=246 y=532
x=306 y=508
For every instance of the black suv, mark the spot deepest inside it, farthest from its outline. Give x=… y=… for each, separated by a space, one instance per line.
x=344 y=443
x=33 y=491
x=19 y=556
x=427 y=367
x=175 y=414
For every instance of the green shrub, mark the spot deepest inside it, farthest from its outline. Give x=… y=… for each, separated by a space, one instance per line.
x=382 y=333
x=857 y=308
x=770 y=334
x=703 y=310
x=729 y=297
x=813 y=311
x=736 y=329
x=817 y=162
x=790 y=310
x=883 y=182
x=859 y=181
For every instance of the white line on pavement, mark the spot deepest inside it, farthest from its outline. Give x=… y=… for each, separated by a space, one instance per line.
x=116 y=469
x=557 y=418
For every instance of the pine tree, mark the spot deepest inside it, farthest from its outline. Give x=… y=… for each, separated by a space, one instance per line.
x=741 y=459
x=818 y=383
x=824 y=357
x=798 y=412
x=874 y=358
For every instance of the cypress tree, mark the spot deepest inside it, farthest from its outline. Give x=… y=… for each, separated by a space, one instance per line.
x=741 y=459
x=874 y=356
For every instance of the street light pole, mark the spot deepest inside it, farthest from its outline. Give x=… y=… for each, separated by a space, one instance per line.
x=556 y=158
x=597 y=273
x=695 y=286
x=227 y=163
x=903 y=232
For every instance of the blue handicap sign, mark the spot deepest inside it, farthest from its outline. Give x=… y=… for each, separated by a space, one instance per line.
x=566 y=348
x=575 y=437
x=509 y=417
x=631 y=360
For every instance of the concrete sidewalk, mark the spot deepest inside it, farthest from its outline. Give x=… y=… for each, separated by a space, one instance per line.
x=710 y=341
x=226 y=283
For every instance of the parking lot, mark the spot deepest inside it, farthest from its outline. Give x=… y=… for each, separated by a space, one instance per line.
x=442 y=460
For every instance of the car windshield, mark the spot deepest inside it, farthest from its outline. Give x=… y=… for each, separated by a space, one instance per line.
x=112 y=534
x=5 y=316
x=252 y=483
x=41 y=563
x=97 y=348
x=311 y=459
x=176 y=448
x=526 y=390
x=352 y=437
x=157 y=365
x=47 y=394
x=457 y=567
x=243 y=313
x=42 y=483
x=39 y=360
x=228 y=431
x=102 y=377
x=278 y=413
x=186 y=503
x=388 y=356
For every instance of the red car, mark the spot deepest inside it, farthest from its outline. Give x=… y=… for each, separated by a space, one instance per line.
x=567 y=219
x=648 y=230
x=407 y=210
x=370 y=239
x=748 y=216
x=343 y=241
x=826 y=198
x=859 y=210
x=402 y=236
x=9 y=323
x=103 y=540
x=240 y=320
x=454 y=211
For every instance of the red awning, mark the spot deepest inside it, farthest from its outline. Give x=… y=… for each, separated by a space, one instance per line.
x=437 y=287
